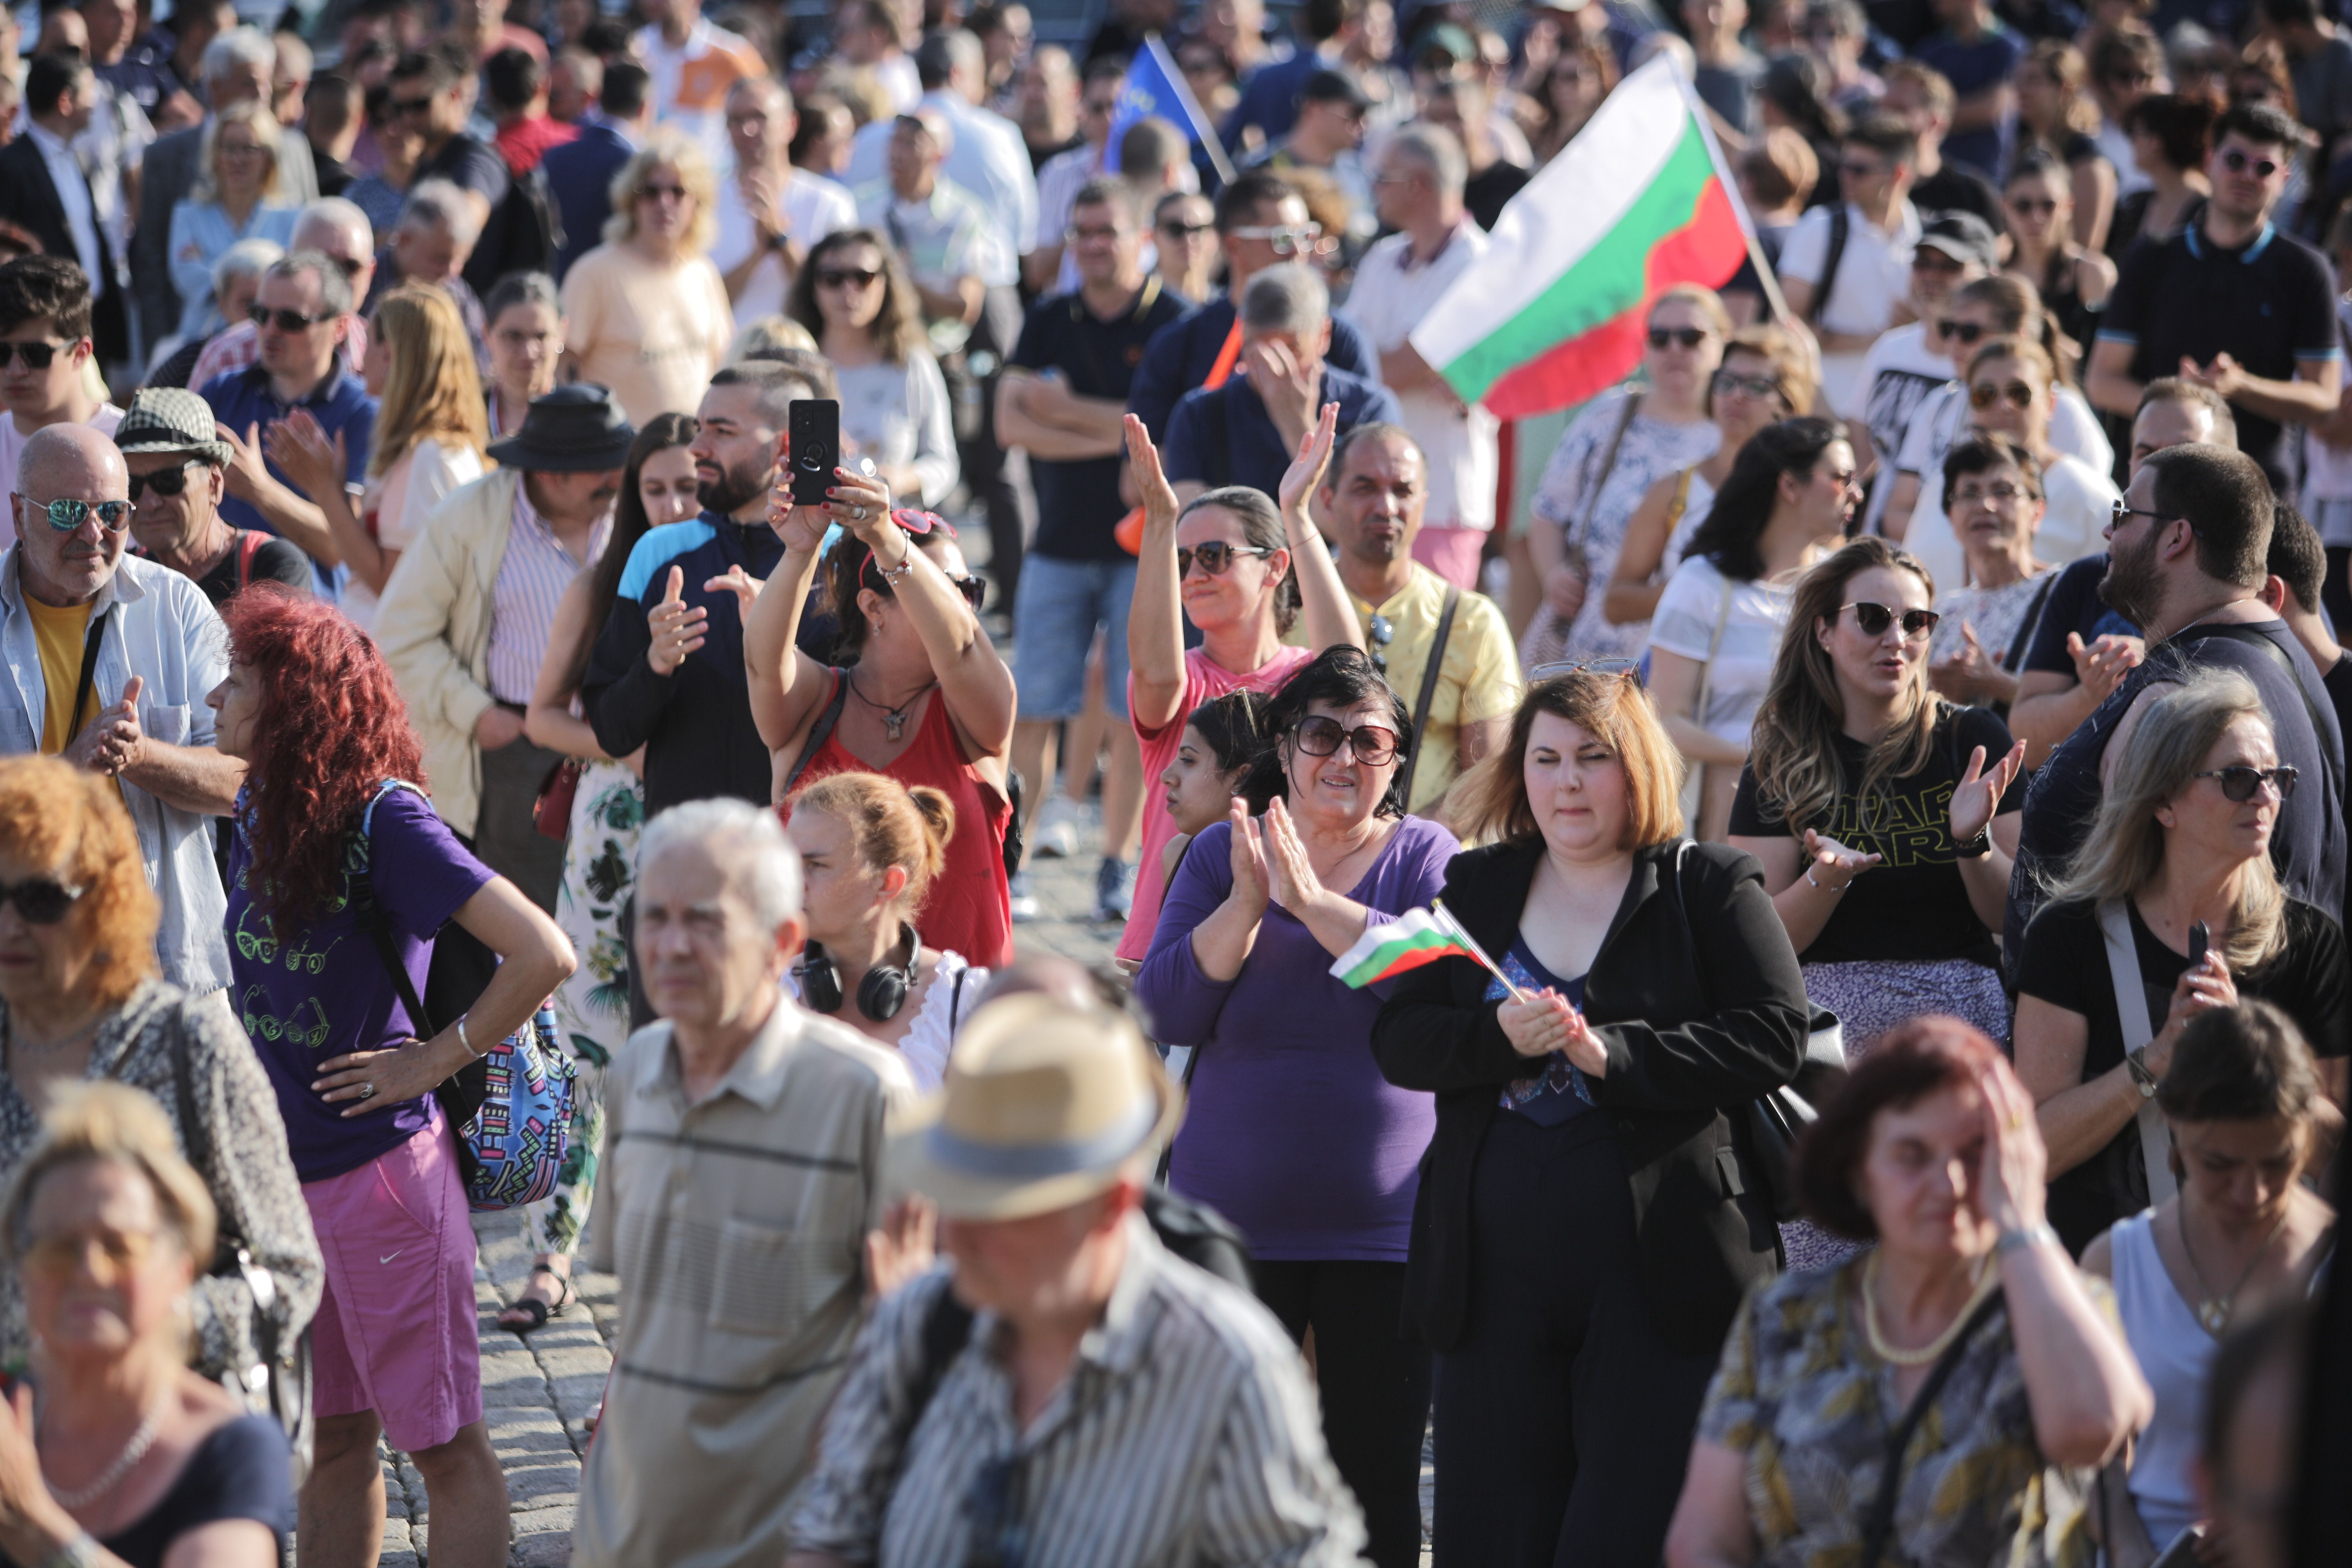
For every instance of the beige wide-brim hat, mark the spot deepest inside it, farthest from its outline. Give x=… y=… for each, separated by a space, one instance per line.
x=1042 y=1107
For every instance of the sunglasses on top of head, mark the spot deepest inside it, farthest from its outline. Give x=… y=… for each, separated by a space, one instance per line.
x=1874 y=619
x=2238 y=784
x=1216 y=557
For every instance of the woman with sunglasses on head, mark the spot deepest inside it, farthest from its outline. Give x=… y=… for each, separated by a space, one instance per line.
x=2011 y=389
x=1620 y=443
x=2181 y=840
x=1859 y=773
x=920 y=694
x=1241 y=569
x=1239 y=970
x=1587 y=1217
x=1766 y=377
x=594 y=1005
x=80 y=1001
x=1992 y=493
x=2073 y=275
x=853 y=296
x=1789 y=500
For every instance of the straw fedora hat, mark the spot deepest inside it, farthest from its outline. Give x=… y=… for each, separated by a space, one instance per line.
x=1041 y=1108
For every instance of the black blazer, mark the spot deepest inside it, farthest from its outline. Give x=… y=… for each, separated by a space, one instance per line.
x=1693 y=1034
x=29 y=199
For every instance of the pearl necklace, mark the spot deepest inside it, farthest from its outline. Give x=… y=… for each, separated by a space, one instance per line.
x=135 y=1451
x=1933 y=1348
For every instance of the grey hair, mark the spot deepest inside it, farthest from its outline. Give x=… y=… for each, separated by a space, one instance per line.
x=245 y=258
x=238 y=46
x=339 y=213
x=334 y=289
x=1286 y=299
x=1436 y=149
x=747 y=839
x=440 y=204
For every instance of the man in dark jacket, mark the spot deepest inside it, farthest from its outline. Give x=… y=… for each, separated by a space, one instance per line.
x=44 y=192
x=692 y=710
x=579 y=175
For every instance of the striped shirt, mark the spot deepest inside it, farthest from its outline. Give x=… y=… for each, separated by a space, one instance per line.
x=1186 y=1432
x=532 y=579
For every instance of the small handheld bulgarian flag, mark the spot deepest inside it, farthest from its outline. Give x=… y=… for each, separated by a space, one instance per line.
x=1417 y=937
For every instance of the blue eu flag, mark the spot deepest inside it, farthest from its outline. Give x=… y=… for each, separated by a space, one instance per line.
x=1154 y=86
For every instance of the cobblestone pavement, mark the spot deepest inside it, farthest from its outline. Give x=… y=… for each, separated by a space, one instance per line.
x=539 y=1394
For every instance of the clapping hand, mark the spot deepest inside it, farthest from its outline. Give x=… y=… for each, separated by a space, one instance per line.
x=901 y=1248
x=678 y=627
x=1151 y=487
x=1306 y=471
x=1967 y=673
x=2101 y=665
x=1978 y=794
x=1253 y=880
x=1842 y=864
x=25 y=1503
x=313 y=462
x=1539 y=1022
x=248 y=475
x=1295 y=886
x=739 y=583
x=112 y=741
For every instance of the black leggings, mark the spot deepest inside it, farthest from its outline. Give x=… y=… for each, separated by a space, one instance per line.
x=1563 y=1423
x=1374 y=1383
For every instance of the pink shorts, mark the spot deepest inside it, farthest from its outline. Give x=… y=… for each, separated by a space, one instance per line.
x=1452 y=553
x=395 y=1332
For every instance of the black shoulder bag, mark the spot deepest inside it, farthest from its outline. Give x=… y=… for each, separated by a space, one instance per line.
x=1841 y=229
x=1878 y=1524
x=1428 y=691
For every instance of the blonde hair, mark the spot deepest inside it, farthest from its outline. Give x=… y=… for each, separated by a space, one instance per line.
x=1794 y=746
x=1707 y=301
x=1491 y=800
x=433 y=390
x=53 y=815
x=674 y=150
x=2124 y=852
x=889 y=823
x=266 y=132
x=115 y=1124
x=757 y=337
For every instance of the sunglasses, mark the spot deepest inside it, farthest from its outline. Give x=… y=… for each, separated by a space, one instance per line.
x=1319 y=736
x=287 y=320
x=1984 y=394
x=163 y=481
x=1287 y=239
x=1186 y=230
x=2238 y=162
x=119 y=1253
x=2030 y=206
x=37 y=356
x=2239 y=783
x=1216 y=557
x=1728 y=381
x=412 y=105
x=844 y=276
x=1874 y=619
x=1383 y=632
x=660 y=193
x=2119 y=511
x=42 y=900
x=66 y=513
x=1961 y=332
x=1686 y=337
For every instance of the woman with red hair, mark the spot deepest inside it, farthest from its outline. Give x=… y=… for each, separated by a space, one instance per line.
x=334 y=824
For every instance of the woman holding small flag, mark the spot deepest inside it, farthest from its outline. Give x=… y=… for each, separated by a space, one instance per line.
x=1294 y=1135
x=1586 y=1224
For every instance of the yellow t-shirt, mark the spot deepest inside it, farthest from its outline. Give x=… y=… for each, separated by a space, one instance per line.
x=59 y=634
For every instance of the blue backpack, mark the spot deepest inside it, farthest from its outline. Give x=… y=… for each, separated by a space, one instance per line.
x=512 y=1108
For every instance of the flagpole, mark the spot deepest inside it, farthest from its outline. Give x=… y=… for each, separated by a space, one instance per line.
x=1773 y=298
x=1454 y=929
x=1210 y=142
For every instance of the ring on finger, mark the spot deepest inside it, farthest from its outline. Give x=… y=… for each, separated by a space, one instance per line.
x=367 y=1091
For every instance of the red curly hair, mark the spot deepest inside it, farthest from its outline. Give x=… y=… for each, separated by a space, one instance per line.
x=331 y=728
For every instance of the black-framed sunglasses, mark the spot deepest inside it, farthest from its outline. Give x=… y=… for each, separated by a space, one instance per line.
x=66 y=512
x=287 y=320
x=163 y=481
x=843 y=277
x=37 y=356
x=1184 y=230
x=1318 y=735
x=42 y=900
x=1984 y=394
x=2238 y=784
x=1963 y=332
x=1682 y=337
x=2032 y=205
x=2238 y=162
x=1216 y=557
x=973 y=589
x=2120 y=510
x=1874 y=619
x=1383 y=631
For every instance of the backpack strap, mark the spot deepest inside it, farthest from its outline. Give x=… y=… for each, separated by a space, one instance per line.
x=90 y=643
x=947 y=1329
x=1840 y=230
x=371 y=916
x=249 y=542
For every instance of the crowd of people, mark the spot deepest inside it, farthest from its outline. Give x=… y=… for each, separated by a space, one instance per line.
x=1879 y=772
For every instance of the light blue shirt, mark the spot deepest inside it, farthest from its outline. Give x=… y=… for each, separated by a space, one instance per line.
x=200 y=232
x=162 y=629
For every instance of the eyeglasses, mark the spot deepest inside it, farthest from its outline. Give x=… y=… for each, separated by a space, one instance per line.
x=1874 y=619
x=66 y=513
x=2119 y=511
x=846 y=277
x=1319 y=736
x=664 y=193
x=1961 y=332
x=163 y=481
x=1728 y=380
x=1383 y=632
x=119 y=1253
x=1216 y=557
x=1287 y=239
x=2030 y=206
x=1177 y=230
x=2239 y=782
x=2238 y=162
x=1984 y=394
x=42 y=900
x=37 y=356
x=407 y=106
x=1994 y=495
x=287 y=320
x=1684 y=337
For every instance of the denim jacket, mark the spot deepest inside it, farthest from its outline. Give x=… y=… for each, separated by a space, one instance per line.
x=164 y=630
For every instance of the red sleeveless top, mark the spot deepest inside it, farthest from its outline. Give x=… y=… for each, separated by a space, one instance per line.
x=969 y=908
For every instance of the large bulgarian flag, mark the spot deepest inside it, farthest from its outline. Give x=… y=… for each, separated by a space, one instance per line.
x=1636 y=203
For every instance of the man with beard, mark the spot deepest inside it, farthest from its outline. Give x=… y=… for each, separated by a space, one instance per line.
x=667 y=670
x=2189 y=555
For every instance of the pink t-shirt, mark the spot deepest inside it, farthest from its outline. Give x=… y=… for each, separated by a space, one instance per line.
x=1204 y=682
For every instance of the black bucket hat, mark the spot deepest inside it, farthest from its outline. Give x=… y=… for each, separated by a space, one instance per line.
x=574 y=429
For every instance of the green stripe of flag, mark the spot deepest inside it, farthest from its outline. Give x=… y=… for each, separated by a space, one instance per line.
x=1407 y=950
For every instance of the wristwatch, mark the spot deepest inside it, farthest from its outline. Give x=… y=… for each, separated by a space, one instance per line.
x=779 y=241
x=2143 y=1080
x=1978 y=848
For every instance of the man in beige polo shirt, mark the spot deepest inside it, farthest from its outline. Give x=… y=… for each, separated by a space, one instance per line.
x=743 y=1158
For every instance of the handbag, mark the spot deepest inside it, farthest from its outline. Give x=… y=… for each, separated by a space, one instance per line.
x=2113 y=1521
x=553 y=815
x=512 y=1107
x=1773 y=1122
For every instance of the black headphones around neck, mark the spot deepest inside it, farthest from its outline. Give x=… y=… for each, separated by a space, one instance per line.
x=880 y=993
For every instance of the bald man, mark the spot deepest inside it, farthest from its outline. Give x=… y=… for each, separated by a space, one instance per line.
x=114 y=657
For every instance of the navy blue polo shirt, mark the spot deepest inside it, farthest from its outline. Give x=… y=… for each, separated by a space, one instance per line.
x=1182 y=352
x=2073 y=606
x=341 y=406
x=1225 y=436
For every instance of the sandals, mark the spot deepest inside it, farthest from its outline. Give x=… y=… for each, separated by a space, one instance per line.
x=539 y=1311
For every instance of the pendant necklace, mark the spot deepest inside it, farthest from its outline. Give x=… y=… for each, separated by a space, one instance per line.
x=2213 y=1311
x=894 y=720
